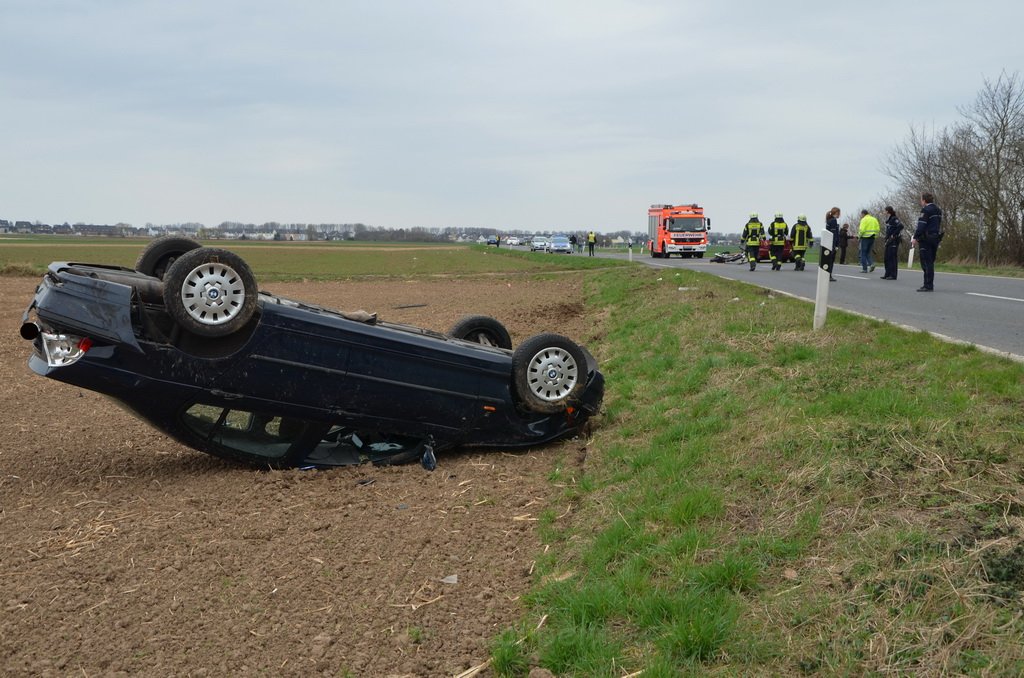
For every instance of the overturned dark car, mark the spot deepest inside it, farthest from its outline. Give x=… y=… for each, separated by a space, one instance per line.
x=187 y=342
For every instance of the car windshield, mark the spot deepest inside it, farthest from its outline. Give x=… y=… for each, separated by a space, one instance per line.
x=680 y=224
x=560 y=241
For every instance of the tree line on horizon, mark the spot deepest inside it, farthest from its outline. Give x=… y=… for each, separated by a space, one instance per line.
x=356 y=231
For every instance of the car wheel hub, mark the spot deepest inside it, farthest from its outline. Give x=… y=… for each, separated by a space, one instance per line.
x=552 y=374
x=212 y=293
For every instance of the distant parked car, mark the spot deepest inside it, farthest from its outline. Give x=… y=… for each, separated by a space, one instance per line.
x=559 y=244
x=539 y=244
x=512 y=240
x=492 y=241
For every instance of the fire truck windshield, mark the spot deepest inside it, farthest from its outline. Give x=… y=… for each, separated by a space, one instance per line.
x=680 y=224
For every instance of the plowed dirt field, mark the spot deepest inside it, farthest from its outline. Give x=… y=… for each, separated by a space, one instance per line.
x=124 y=553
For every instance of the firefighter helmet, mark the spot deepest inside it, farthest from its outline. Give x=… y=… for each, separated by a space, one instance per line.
x=778 y=215
x=753 y=215
x=802 y=217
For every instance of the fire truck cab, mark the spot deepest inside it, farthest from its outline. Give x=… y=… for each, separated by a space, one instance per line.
x=681 y=229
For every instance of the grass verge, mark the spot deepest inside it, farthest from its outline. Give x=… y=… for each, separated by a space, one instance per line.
x=764 y=499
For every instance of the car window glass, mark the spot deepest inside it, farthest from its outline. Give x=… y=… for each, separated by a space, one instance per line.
x=248 y=432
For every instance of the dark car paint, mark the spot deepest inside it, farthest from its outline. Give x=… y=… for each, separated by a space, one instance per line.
x=292 y=359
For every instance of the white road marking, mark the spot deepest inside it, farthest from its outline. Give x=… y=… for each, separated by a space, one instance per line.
x=993 y=296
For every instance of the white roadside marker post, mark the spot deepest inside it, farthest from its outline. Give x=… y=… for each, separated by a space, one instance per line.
x=821 y=293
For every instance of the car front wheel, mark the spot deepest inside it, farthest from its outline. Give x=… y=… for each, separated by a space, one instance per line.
x=481 y=329
x=549 y=372
x=210 y=292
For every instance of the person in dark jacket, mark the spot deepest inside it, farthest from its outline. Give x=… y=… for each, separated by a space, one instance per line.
x=828 y=255
x=801 y=237
x=777 y=232
x=893 y=239
x=753 y=234
x=927 y=237
x=844 y=240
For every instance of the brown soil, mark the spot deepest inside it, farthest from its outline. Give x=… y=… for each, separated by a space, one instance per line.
x=123 y=552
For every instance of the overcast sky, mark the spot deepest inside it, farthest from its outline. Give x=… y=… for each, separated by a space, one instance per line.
x=552 y=114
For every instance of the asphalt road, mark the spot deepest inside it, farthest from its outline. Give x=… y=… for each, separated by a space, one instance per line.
x=987 y=311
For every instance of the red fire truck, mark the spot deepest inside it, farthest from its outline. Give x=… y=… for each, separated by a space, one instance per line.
x=681 y=229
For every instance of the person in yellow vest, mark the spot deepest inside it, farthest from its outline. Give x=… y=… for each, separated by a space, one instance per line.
x=753 y=232
x=591 y=241
x=801 y=236
x=777 y=232
x=869 y=228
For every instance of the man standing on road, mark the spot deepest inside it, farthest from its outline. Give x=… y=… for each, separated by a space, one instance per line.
x=753 y=232
x=777 y=231
x=801 y=236
x=869 y=228
x=927 y=237
x=893 y=238
x=591 y=241
x=844 y=240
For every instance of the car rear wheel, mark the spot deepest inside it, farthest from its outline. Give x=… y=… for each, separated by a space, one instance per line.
x=548 y=372
x=481 y=329
x=160 y=253
x=210 y=292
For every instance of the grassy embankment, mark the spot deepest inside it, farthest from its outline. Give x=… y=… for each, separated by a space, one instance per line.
x=762 y=499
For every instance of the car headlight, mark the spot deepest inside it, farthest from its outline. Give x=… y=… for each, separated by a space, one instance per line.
x=63 y=349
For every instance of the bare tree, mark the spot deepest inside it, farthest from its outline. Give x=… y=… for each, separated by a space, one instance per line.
x=976 y=168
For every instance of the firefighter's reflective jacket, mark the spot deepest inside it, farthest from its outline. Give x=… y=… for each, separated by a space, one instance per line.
x=800 y=234
x=753 y=232
x=777 y=230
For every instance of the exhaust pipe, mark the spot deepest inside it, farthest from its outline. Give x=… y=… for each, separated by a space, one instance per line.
x=29 y=331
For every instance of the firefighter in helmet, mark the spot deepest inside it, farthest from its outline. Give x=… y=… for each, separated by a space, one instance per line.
x=801 y=236
x=753 y=232
x=777 y=232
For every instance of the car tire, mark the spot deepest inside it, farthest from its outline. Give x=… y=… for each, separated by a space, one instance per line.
x=210 y=292
x=159 y=254
x=549 y=373
x=481 y=329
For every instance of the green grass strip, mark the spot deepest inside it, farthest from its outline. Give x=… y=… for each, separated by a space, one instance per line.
x=762 y=499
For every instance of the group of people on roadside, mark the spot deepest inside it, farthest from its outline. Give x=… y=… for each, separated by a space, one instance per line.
x=927 y=237
x=778 y=232
x=867 y=231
